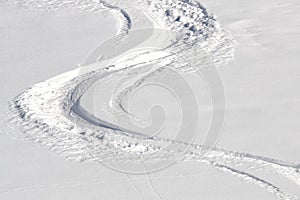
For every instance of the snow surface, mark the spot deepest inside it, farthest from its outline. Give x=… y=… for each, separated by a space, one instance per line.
x=45 y=39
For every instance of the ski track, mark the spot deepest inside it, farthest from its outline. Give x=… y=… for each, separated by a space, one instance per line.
x=49 y=112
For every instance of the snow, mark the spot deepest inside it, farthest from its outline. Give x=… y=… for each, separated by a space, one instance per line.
x=261 y=106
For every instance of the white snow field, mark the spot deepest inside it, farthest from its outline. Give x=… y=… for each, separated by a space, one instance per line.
x=150 y=99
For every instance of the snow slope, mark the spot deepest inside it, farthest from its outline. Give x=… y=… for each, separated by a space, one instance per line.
x=51 y=114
